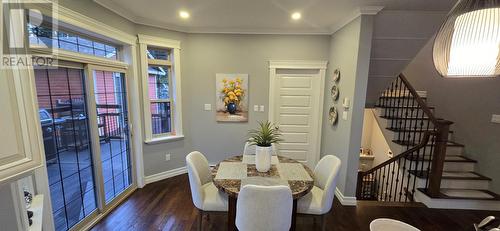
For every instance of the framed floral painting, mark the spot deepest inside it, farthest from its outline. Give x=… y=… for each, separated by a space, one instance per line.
x=231 y=97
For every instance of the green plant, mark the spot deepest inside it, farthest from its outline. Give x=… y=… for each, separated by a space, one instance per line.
x=266 y=135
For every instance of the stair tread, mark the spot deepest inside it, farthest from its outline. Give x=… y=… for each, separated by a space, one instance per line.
x=412 y=130
x=406 y=118
x=465 y=194
x=402 y=106
x=448 y=158
x=400 y=97
x=411 y=143
x=452 y=175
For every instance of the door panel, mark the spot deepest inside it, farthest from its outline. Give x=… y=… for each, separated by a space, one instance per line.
x=112 y=123
x=288 y=100
x=65 y=129
x=84 y=121
x=297 y=97
x=295 y=82
x=20 y=147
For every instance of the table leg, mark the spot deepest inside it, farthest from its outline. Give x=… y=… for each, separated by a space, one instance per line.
x=231 y=215
x=294 y=216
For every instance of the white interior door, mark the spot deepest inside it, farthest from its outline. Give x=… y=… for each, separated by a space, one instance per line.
x=297 y=100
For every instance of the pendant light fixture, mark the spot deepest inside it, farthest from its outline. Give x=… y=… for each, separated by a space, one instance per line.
x=468 y=43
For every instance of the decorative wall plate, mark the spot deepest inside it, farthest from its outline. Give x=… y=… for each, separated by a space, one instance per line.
x=336 y=75
x=332 y=115
x=335 y=92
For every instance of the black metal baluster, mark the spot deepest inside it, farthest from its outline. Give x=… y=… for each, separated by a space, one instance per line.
x=397 y=179
x=391 y=182
x=378 y=185
x=433 y=145
x=384 y=184
x=391 y=104
x=402 y=178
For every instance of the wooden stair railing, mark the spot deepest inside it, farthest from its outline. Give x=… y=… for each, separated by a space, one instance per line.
x=380 y=182
x=425 y=138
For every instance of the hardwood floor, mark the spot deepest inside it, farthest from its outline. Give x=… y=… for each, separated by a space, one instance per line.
x=167 y=205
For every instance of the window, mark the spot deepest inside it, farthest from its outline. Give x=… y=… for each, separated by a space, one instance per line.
x=42 y=36
x=161 y=88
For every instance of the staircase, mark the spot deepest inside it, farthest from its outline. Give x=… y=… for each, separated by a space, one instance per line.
x=431 y=168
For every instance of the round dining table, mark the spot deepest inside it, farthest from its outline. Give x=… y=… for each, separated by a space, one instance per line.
x=231 y=174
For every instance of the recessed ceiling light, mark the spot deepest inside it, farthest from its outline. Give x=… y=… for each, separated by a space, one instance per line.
x=184 y=14
x=296 y=16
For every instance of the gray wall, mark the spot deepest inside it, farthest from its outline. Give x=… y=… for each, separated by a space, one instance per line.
x=204 y=55
x=468 y=102
x=350 y=52
x=91 y=9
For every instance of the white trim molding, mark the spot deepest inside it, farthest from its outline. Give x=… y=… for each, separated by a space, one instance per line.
x=164 y=175
x=74 y=19
x=320 y=66
x=365 y=10
x=298 y=64
x=157 y=41
x=345 y=201
x=175 y=78
x=328 y=30
x=369 y=10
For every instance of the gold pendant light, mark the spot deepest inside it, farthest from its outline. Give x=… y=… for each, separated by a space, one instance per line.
x=468 y=43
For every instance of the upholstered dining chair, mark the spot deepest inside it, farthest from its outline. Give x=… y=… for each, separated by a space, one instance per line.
x=319 y=201
x=206 y=197
x=264 y=208
x=249 y=149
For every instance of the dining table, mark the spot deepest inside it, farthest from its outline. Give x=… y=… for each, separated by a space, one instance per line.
x=235 y=172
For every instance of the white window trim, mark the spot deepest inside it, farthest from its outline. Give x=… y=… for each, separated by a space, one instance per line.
x=76 y=21
x=175 y=84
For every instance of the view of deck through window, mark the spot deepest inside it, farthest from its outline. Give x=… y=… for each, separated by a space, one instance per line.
x=42 y=36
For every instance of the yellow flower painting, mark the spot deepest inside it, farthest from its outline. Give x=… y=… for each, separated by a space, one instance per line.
x=232 y=97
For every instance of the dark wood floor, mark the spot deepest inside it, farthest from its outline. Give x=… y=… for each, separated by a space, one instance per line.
x=167 y=205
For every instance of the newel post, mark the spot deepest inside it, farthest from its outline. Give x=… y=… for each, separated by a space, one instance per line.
x=359 y=186
x=438 y=157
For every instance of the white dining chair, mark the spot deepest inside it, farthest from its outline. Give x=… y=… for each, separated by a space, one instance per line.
x=206 y=197
x=264 y=208
x=249 y=149
x=319 y=201
x=384 y=224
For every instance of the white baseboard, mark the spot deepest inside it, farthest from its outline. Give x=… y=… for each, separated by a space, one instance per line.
x=165 y=175
x=346 y=201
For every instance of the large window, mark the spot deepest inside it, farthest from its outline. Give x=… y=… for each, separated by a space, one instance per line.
x=42 y=36
x=161 y=88
x=84 y=118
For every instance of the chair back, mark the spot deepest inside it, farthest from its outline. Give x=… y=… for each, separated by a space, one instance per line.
x=264 y=208
x=249 y=149
x=199 y=174
x=325 y=178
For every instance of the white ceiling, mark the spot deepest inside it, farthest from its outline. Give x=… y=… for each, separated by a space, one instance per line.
x=258 y=16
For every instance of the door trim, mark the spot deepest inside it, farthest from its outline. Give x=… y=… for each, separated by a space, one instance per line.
x=319 y=65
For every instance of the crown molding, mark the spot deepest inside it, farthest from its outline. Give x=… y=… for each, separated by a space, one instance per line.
x=365 y=10
x=369 y=10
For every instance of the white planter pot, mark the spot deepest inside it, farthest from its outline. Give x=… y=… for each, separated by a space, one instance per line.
x=263 y=158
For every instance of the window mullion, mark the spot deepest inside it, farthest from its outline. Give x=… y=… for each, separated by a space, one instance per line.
x=159 y=81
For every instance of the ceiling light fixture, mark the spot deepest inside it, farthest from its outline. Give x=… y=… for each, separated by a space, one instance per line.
x=296 y=16
x=184 y=14
x=468 y=43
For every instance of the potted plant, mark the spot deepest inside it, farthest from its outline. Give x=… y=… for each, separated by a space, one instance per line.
x=264 y=137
